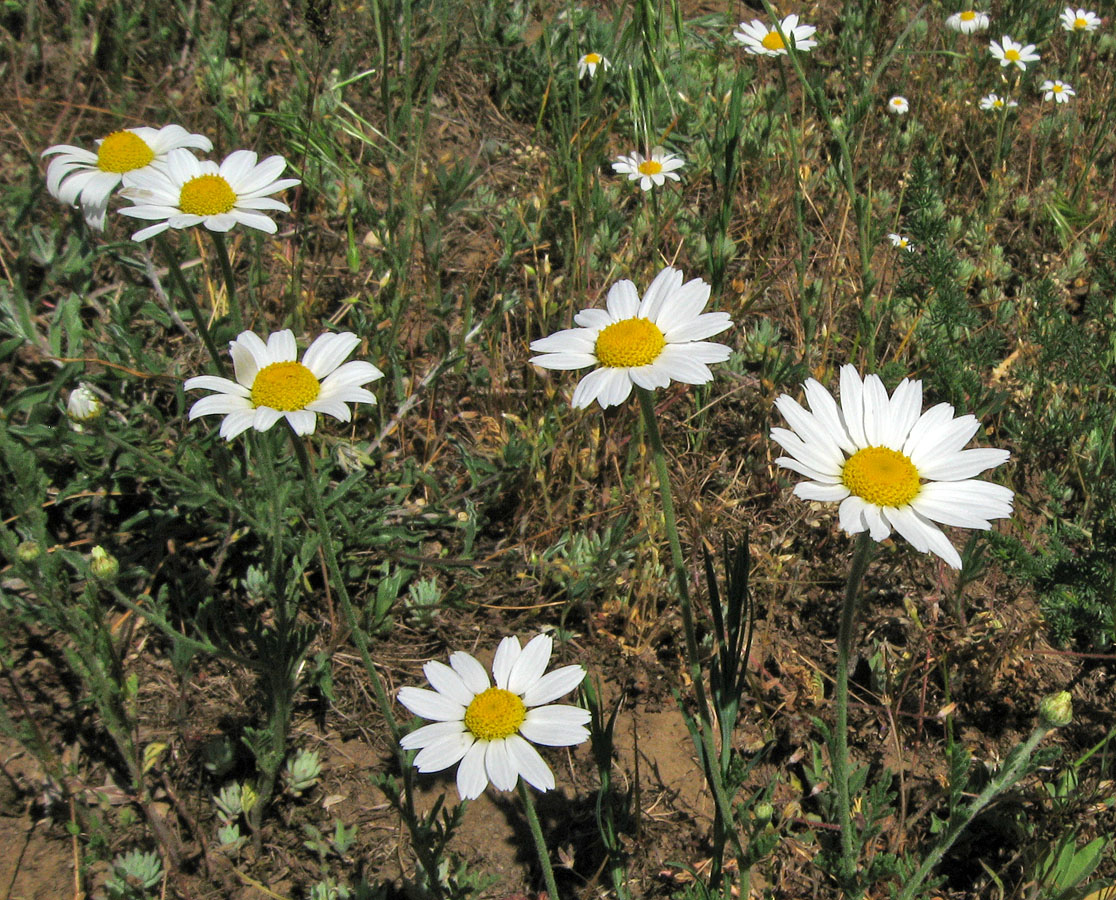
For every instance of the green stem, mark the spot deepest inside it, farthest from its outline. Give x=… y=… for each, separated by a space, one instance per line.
x=723 y=819
x=840 y=756
x=540 y=843
x=428 y=861
x=1007 y=777
x=230 y=282
x=195 y=312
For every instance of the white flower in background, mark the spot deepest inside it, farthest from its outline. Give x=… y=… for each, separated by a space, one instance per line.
x=765 y=40
x=898 y=106
x=652 y=170
x=995 y=101
x=271 y=384
x=1056 y=90
x=900 y=241
x=588 y=65
x=890 y=465
x=644 y=342
x=486 y=728
x=1011 y=53
x=968 y=21
x=1080 y=20
x=83 y=405
x=188 y=191
x=80 y=176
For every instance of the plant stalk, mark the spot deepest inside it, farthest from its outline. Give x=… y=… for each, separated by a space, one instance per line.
x=540 y=842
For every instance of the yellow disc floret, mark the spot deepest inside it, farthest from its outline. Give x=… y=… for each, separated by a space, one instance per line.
x=206 y=195
x=591 y=59
x=1012 y=54
x=881 y=476
x=1080 y=23
x=968 y=15
x=495 y=714
x=123 y=151
x=771 y=41
x=629 y=343
x=285 y=386
x=649 y=167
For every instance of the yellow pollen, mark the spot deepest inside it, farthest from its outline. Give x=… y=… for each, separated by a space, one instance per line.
x=123 y=151
x=206 y=195
x=649 y=167
x=285 y=386
x=772 y=41
x=629 y=343
x=495 y=714
x=1012 y=55
x=881 y=476
x=591 y=59
x=968 y=15
x=1080 y=23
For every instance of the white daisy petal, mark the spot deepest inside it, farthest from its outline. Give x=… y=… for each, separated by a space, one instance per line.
x=499 y=767
x=427 y=734
x=530 y=766
x=506 y=655
x=448 y=683
x=471 y=777
x=553 y=685
x=470 y=671
x=531 y=664
x=430 y=705
x=556 y=726
x=443 y=752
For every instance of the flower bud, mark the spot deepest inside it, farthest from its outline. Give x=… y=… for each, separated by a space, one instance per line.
x=83 y=405
x=28 y=551
x=1056 y=710
x=764 y=812
x=102 y=564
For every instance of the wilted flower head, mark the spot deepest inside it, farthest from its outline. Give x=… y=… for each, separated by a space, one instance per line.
x=83 y=405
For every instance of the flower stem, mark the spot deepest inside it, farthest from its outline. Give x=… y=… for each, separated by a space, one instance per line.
x=540 y=843
x=321 y=520
x=230 y=282
x=722 y=824
x=840 y=755
x=195 y=312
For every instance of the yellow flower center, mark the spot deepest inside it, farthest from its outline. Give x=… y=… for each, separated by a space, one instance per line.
x=495 y=714
x=591 y=59
x=1057 y=88
x=285 y=386
x=206 y=195
x=1012 y=55
x=1080 y=22
x=997 y=102
x=968 y=15
x=649 y=167
x=123 y=151
x=629 y=343
x=881 y=476
x=772 y=41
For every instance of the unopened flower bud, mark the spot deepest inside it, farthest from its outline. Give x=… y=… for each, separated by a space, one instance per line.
x=28 y=551
x=1056 y=710
x=103 y=565
x=83 y=405
x=764 y=812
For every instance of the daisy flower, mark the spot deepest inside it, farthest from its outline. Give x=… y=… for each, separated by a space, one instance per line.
x=486 y=728
x=888 y=464
x=83 y=405
x=271 y=384
x=588 y=64
x=644 y=342
x=900 y=241
x=188 y=191
x=898 y=106
x=654 y=169
x=995 y=101
x=1080 y=20
x=1056 y=90
x=763 y=40
x=968 y=21
x=1011 y=53
x=80 y=176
